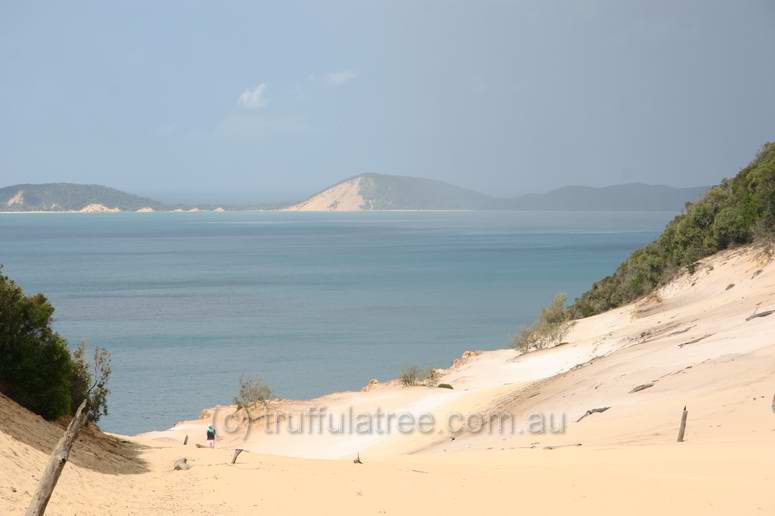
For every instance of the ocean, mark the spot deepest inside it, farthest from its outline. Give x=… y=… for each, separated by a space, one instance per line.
x=311 y=302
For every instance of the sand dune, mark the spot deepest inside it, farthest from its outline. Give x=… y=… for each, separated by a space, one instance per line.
x=694 y=343
x=343 y=196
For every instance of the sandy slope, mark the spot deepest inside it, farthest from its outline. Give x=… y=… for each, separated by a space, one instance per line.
x=692 y=342
x=344 y=196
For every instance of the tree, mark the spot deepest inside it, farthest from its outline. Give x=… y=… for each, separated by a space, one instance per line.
x=252 y=390
x=90 y=381
x=35 y=363
x=738 y=211
x=37 y=369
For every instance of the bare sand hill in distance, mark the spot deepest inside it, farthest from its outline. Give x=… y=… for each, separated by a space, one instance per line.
x=384 y=192
x=693 y=343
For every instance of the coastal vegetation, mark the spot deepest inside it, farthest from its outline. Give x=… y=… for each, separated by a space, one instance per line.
x=37 y=368
x=69 y=197
x=739 y=211
x=414 y=375
x=252 y=390
x=547 y=330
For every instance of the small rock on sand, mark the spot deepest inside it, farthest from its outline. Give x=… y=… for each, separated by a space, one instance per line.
x=372 y=384
x=181 y=464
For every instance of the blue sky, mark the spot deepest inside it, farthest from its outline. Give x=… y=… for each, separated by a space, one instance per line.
x=253 y=101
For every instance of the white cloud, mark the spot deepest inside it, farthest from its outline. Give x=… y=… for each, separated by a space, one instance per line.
x=255 y=98
x=340 y=78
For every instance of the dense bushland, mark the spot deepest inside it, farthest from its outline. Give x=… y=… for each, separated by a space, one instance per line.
x=738 y=211
x=37 y=369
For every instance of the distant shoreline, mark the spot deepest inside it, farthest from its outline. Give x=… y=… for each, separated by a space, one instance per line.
x=274 y=210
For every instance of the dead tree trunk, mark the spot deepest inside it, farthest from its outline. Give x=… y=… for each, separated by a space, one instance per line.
x=185 y=441
x=236 y=454
x=56 y=463
x=682 y=430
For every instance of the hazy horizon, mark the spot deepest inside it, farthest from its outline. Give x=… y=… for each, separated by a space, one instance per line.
x=246 y=199
x=257 y=102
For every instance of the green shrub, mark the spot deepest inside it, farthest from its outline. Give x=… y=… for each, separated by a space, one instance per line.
x=738 y=211
x=252 y=390
x=444 y=386
x=35 y=363
x=37 y=369
x=412 y=376
x=548 y=330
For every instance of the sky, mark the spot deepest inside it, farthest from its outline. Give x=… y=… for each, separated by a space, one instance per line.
x=268 y=101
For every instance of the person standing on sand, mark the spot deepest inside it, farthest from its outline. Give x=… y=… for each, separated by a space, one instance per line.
x=211 y=436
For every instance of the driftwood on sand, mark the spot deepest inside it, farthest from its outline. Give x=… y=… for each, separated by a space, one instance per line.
x=593 y=411
x=185 y=441
x=759 y=314
x=57 y=462
x=682 y=429
x=357 y=459
x=555 y=446
x=695 y=341
x=641 y=387
x=236 y=454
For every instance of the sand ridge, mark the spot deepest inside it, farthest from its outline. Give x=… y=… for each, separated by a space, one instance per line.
x=693 y=343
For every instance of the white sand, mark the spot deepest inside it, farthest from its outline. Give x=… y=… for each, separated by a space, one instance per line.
x=344 y=196
x=693 y=344
x=98 y=208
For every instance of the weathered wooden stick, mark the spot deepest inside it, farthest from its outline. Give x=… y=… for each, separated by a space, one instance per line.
x=756 y=314
x=236 y=454
x=682 y=430
x=357 y=459
x=56 y=463
x=642 y=387
x=589 y=412
x=185 y=441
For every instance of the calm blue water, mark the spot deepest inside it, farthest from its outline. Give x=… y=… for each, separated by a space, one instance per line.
x=187 y=303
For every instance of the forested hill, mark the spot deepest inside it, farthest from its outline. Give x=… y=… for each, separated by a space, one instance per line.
x=69 y=197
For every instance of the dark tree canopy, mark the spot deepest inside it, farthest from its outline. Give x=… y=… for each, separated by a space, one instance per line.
x=37 y=369
x=35 y=363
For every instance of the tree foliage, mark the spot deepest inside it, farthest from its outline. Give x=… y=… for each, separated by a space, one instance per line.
x=547 y=330
x=738 y=211
x=252 y=390
x=37 y=369
x=91 y=380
